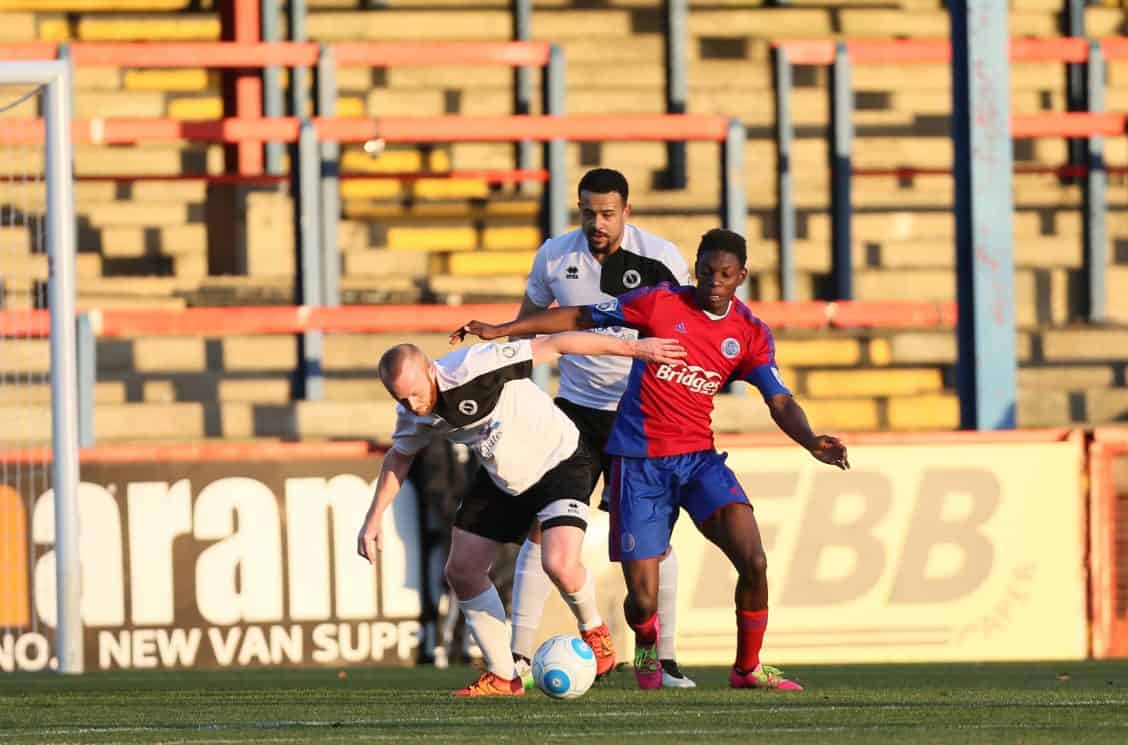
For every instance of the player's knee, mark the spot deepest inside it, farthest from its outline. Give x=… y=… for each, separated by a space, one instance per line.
x=560 y=566
x=461 y=579
x=754 y=567
x=640 y=604
x=644 y=594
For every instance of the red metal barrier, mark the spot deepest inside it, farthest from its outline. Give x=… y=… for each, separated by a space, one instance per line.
x=203 y=451
x=541 y=128
x=439 y=318
x=939 y=51
x=255 y=55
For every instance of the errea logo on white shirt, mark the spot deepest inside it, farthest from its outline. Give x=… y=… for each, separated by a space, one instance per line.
x=696 y=379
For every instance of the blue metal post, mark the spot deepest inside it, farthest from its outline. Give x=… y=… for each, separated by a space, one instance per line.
x=330 y=207
x=677 y=33
x=1075 y=83
x=298 y=75
x=271 y=22
x=842 y=142
x=87 y=350
x=986 y=369
x=1095 y=197
x=555 y=151
x=734 y=201
x=523 y=82
x=309 y=257
x=555 y=196
x=785 y=208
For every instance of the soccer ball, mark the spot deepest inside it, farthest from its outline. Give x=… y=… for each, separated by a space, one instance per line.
x=564 y=667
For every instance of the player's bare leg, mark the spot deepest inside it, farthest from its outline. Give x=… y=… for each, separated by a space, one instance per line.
x=561 y=547
x=467 y=572
x=641 y=611
x=734 y=530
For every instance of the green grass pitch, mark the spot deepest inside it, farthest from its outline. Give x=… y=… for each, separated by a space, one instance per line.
x=1075 y=702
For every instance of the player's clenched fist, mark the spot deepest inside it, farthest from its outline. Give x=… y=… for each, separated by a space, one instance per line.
x=484 y=331
x=830 y=450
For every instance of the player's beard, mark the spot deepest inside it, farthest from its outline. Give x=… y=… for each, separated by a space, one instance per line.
x=597 y=249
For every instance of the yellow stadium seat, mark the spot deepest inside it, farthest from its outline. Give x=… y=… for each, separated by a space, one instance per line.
x=370 y=188
x=818 y=352
x=88 y=6
x=490 y=263
x=350 y=106
x=189 y=80
x=432 y=238
x=389 y=161
x=511 y=238
x=149 y=28
x=451 y=188
x=858 y=414
x=940 y=411
x=862 y=382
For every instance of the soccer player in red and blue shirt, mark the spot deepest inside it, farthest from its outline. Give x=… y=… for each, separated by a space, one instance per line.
x=662 y=442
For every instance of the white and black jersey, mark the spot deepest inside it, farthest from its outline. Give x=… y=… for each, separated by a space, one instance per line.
x=488 y=403
x=565 y=272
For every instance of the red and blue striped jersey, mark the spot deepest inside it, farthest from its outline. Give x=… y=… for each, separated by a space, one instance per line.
x=667 y=410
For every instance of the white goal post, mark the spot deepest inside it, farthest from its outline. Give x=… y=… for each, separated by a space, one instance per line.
x=53 y=79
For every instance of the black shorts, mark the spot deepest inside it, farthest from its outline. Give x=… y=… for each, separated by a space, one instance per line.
x=595 y=429
x=559 y=498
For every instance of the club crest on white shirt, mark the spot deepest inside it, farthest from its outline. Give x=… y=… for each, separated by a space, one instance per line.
x=631 y=279
x=508 y=351
x=730 y=348
x=469 y=407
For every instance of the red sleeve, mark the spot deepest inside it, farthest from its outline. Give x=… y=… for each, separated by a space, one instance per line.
x=762 y=349
x=758 y=366
x=638 y=306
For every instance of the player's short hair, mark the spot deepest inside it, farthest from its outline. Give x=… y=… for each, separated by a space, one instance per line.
x=393 y=360
x=719 y=239
x=604 y=181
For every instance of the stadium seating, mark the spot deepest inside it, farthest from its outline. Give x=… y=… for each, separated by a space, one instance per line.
x=165 y=243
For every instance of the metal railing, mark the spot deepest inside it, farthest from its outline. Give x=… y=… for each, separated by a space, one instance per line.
x=841 y=56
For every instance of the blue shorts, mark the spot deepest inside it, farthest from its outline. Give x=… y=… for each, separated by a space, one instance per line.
x=645 y=494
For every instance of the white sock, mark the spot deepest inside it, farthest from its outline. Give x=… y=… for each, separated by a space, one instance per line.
x=485 y=615
x=583 y=604
x=667 y=605
x=530 y=592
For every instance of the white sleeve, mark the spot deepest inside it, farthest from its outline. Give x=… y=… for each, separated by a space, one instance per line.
x=675 y=262
x=463 y=365
x=492 y=355
x=537 y=287
x=412 y=433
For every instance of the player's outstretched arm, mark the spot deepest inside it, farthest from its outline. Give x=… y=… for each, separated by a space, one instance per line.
x=393 y=472
x=552 y=321
x=661 y=351
x=528 y=308
x=790 y=417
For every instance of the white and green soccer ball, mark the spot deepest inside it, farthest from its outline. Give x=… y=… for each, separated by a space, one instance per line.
x=564 y=667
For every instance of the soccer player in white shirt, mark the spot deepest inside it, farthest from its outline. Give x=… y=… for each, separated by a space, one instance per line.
x=535 y=468
x=600 y=261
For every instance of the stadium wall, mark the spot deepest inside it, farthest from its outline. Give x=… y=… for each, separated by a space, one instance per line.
x=933 y=548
